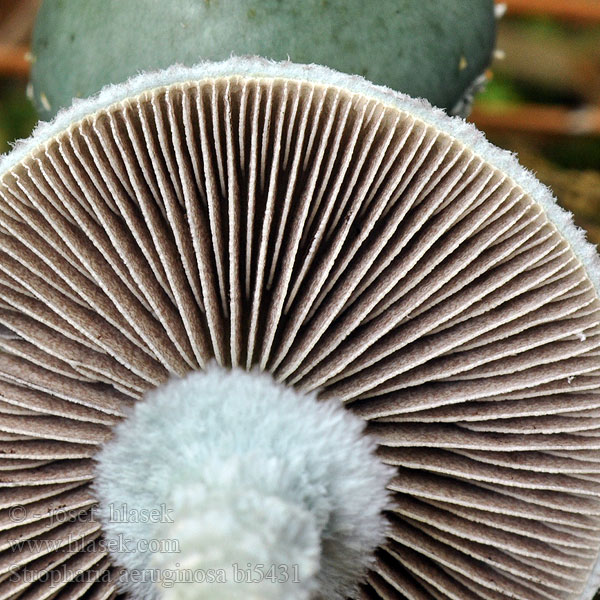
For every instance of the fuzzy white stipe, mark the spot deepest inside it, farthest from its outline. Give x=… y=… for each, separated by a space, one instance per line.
x=243 y=472
x=592 y=584
x=260 y=67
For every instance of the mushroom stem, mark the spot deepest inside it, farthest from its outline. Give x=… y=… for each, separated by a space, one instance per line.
x=235 y=540
x=268 y=493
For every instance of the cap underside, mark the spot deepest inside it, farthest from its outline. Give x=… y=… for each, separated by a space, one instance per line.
x=343 y=245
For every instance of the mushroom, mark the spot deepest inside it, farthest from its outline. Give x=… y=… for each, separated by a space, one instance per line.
x=435 y=49
x=197 y=233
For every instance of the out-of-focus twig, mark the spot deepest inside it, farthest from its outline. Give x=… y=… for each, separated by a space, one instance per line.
x=13 y=61
x=538 y=119
x=16 y=21
x=579 y=10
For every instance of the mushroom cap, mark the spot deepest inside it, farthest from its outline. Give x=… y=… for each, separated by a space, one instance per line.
x=427 y=48
x=344 y=238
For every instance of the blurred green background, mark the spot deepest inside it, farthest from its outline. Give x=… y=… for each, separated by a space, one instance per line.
x=17 y=115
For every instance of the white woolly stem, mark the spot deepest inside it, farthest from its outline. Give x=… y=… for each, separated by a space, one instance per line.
x=270 y=493
x=234 y=541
